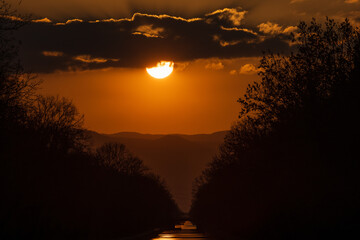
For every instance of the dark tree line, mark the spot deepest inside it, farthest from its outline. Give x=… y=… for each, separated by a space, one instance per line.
x=51 y=185
x=289 y=169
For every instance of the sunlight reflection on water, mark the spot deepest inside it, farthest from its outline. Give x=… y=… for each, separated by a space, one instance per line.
x=186 y=231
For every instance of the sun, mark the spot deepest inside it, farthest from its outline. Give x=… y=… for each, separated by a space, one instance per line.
x=162 y=70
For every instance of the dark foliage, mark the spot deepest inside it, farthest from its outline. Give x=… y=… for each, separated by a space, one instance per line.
x=58 y=122
x=16 y=87
x=116 y=156
x=289 y=169
x=51 y=187
x=50 y=195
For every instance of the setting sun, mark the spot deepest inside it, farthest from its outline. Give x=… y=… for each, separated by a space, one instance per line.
x=162 y=70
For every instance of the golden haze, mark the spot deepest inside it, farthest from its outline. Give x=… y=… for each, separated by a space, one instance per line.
x=191 y=100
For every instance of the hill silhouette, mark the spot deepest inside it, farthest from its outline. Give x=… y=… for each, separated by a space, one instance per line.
x=178 y=158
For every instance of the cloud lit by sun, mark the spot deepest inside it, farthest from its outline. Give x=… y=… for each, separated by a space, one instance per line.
x=162 y=70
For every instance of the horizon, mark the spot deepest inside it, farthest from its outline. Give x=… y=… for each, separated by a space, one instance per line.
x=189 y=134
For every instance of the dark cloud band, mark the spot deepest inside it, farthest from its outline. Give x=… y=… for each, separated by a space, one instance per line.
x=141 y=40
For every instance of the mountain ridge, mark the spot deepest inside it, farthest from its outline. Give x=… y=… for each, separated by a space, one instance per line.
x=137 y=135
x=177 y=158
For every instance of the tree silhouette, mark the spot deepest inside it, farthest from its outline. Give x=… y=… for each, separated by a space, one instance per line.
x=323 y=63
x=288 y=169
x=301 y=85
x=58 y=122
x=116 y=156
x=17 y=88
x=50 y=187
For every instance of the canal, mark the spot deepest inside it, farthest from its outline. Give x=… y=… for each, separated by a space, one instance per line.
x=185 y=230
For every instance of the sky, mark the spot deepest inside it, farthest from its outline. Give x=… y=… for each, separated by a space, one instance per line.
x=95 y=53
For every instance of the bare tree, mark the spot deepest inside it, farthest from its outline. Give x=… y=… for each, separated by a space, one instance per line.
x=58 y=122
x=17 y=88
x=116 y=156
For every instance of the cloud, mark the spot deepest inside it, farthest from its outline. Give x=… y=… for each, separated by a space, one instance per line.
x=290 y=29
x=214 y=66
x=94 y=9
x=76 y=20
x=283 y=12
x=233 y=72
x=163 y=16
x=43 y=20
x=238 y=29
x=141 y=41
x=149 y=31
x=234 y=36
x=248 y=69
x=52 y=54
x=273 y=28
x=181 y=66
x=12 y=18
x=270 y=28
x=227 y=16
x=90 y=59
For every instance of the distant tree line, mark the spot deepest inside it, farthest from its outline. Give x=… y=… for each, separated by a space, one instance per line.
x=51 y=185
x=289 y=169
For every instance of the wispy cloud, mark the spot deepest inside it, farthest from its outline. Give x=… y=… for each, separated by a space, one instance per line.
x=142 y=40
x=42 y=20
x=149 y=31
x=164 y=16
x=248 y=69
x=215 y=65
x=52 y=54
x=274 y=28
x=232 y=15
x=76 y=20
x=90 y=59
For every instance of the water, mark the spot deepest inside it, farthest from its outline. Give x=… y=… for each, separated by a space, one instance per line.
x=186 y=231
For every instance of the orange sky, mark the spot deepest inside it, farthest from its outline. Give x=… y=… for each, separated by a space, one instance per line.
x=95 y=53
x=198 y=97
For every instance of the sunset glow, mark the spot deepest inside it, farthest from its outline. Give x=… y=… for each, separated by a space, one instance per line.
x=162 y=70
x=159 y=120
